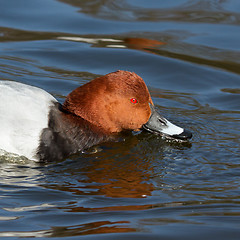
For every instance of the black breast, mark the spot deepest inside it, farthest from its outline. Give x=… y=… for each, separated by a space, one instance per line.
x=66 y=134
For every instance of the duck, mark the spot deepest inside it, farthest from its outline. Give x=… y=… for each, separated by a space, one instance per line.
x=35 y=125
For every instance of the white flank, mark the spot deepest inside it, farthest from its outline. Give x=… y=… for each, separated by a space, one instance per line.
x=23 y=114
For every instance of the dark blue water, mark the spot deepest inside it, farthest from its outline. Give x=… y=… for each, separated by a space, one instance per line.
x=188 y=53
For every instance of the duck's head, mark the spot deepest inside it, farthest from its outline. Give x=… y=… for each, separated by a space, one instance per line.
x=120 y=101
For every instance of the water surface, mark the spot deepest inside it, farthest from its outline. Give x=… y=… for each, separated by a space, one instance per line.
x=143 y=187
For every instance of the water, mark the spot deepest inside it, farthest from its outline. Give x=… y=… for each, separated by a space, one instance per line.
x=143 y=187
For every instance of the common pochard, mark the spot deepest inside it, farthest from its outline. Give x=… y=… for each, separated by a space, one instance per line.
x=35 y=125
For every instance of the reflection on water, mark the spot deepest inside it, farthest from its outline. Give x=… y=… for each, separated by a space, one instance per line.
x=166 y=46
x=143 y=186
x=183 y=10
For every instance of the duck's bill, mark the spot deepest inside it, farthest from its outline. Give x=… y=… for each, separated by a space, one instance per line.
x=160 y=125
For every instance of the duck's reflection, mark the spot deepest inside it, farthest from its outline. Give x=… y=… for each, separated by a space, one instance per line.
x=116 y=170
x=92 y=228
x=126 y=169
x=99 y=227
x=120 y=174
x=94 y=191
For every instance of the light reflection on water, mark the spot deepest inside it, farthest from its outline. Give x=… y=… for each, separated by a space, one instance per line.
x=144 y=186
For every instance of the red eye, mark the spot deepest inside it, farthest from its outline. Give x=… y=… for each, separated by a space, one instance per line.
x=134 y=100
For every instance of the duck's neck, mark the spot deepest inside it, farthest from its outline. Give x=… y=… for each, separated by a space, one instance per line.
x=67 y=134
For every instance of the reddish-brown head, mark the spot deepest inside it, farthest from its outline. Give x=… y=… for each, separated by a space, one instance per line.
x=115 y=102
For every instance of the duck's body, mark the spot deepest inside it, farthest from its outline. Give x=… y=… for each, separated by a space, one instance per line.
x=24 y=112
x=35 y=125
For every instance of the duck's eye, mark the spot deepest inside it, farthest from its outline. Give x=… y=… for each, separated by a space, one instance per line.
x=134 y=100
